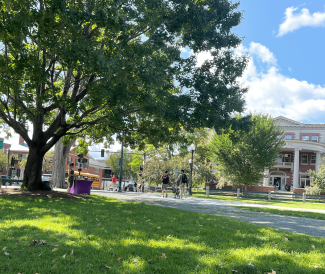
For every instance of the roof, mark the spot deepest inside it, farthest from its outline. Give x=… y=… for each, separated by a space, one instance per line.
x=292 y=123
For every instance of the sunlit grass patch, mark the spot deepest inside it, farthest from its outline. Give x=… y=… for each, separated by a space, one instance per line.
x=102 y=235
x=311 y=204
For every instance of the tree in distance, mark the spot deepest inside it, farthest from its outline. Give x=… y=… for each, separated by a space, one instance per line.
x=317 y=181
x=103 y=67
x=242 y=156
x=112 y=161
x=3 y=160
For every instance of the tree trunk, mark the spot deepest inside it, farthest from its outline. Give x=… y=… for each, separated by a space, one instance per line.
x=33 y=170
x=61 y=152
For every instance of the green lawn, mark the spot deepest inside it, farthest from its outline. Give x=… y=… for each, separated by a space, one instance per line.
x=102 y=235
x=283 y=203
x=306 y=214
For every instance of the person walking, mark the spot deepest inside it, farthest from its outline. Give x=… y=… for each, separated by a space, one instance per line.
x=114 y=182
x=71 y=176
x=182 y=178
x=165 y=179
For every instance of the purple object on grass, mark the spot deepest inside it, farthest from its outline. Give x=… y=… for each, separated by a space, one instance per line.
x=81 y=187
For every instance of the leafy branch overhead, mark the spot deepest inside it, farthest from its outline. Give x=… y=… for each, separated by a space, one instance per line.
x=116 y=67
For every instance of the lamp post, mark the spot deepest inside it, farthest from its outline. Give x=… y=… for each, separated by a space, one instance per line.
x=191 y=165
x=121 y=169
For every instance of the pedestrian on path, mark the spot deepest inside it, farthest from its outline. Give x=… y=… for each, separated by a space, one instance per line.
x=165 y=179
x=71 y=176
x=182 y=178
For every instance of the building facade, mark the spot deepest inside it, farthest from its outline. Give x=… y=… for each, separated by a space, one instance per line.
x=304 y=150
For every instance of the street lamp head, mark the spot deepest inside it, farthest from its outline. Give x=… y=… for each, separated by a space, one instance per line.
x=190 y=161
x=192 y=147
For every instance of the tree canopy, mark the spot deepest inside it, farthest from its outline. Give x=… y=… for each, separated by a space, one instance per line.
x=116 y=67
x=241 y=156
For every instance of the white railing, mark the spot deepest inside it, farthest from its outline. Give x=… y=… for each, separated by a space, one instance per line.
x=286 y=164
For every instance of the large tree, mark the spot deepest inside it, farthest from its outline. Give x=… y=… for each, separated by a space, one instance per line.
x=115 y=66
x=242 y=156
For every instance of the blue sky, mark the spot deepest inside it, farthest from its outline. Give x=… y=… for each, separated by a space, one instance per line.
x=285 y=39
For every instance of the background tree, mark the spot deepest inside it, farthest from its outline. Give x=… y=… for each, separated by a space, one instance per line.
x=48 y=161
x=317 y=180
x=68 y=66
x=242 y=156
x=112 y=161
x=176 y=156
x=3 y=160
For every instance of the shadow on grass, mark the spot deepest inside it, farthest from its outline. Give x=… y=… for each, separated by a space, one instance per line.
x=147 y=239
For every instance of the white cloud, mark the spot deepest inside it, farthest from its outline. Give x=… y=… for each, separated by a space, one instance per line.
x=303 y=19
x=277 y=94
x=265 y=55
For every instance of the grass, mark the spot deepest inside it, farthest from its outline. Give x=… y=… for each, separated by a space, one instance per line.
x=111 y=236
x=282 y=203
x=305 y=214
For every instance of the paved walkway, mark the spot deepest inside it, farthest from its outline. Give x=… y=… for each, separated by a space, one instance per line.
x=306 y=226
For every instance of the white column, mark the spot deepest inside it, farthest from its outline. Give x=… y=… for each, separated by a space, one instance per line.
x=296 y=169
x=266 y=177
x=317 y=161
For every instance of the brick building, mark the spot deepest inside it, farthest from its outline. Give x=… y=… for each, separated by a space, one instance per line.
x=304 y=149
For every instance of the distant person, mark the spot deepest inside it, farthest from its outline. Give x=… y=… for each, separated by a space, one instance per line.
x=114 y=181
x=71 y=176
x=135 y=187
x=165 y=179
x=182 y=178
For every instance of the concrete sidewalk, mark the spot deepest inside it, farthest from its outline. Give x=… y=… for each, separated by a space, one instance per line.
x=306 y=226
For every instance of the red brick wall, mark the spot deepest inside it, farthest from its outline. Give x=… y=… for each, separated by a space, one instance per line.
x=249 y=188
x=298 y=190
x=305 y=168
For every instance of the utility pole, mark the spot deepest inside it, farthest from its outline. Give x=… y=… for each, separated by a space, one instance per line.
x=121 y=170
x=8 y=151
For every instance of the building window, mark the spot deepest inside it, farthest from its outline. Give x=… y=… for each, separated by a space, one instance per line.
x=304 y=181
x=304 y=159
x=96 y=170
x=313 y=160
x=314 y=138
x=287 y=158
x=278 y=160
x=86 y=165
x=305 y=138
x=69 y=160
x=288 y=137
x=76 y=162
